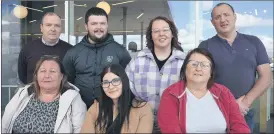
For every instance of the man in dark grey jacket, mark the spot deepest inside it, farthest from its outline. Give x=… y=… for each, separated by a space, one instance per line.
x=85 y=61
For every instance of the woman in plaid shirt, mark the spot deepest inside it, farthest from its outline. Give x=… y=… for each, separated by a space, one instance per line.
x=158 y=66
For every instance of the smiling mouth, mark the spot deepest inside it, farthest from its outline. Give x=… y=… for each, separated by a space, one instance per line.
x=198 y=75
x=162 y=40
x=46 y=81
x=112 y=91
x=98 y=31
x=224 y=26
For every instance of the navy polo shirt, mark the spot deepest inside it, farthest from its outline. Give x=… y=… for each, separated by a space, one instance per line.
x=236 y=64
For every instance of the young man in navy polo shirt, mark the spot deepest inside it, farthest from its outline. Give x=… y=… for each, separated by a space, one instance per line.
x=237 y=57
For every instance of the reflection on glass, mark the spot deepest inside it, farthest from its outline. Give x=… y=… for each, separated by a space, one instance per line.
x=126 y=24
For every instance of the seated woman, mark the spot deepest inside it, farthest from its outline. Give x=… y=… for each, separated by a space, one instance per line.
x=49 y=105
x=197 y=104
x=117 y=111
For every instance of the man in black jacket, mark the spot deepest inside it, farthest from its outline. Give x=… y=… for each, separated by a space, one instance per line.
x=85 y=61
x=49 y=44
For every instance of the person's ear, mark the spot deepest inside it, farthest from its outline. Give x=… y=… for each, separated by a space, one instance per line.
x=235 y=15
x=86 y=26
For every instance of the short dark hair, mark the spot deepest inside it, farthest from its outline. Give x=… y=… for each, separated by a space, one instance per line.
x=208 y=55
x=95 y=11
x=48 y=14
x=219 y=4
x=174 y=42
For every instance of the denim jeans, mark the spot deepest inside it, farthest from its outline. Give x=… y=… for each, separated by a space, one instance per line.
x=249 y=118
x=156 y=128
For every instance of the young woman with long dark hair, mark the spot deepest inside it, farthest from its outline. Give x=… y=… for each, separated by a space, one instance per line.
x=117 y=111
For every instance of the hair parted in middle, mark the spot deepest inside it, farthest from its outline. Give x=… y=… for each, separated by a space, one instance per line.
x=126 y=101
x=64 y=85
x=174 y=42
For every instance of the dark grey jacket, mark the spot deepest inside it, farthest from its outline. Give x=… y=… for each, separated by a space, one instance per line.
x=85 y=62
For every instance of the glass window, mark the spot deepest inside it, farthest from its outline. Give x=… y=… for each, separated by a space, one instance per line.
x=20 y=25
x=183 y=14
x=128 y=21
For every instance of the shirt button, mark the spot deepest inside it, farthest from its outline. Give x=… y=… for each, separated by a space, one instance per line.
x=157 y=94
x=155 y=113
x=233 y=51
x=161 y=74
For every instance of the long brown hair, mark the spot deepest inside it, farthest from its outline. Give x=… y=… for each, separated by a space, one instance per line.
x=64 y=85
x=174 y=42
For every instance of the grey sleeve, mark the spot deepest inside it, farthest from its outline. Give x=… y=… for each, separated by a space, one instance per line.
x=68 y=64
x=125 y=58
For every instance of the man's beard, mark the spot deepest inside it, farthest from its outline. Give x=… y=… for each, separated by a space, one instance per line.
x=95 y=39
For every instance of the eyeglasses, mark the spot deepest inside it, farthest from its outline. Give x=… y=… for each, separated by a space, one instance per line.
x=164 y=30
x=203 y=64
x=114 y=82
x=49 y=57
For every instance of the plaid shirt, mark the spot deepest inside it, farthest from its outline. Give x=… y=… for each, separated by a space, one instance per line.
x=147 y=82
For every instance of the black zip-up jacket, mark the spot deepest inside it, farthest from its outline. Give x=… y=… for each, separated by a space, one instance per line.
x=85 y=62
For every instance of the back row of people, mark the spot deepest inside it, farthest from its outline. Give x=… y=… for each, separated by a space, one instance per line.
x=151 y=76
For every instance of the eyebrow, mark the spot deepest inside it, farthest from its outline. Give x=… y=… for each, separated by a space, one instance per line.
x=112 y=79
x=162 y=27
x=199 y=61
x=47 y=23
x=49 y=68
x=221 y=14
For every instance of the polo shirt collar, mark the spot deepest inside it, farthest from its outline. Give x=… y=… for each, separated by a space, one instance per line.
x=224 y=40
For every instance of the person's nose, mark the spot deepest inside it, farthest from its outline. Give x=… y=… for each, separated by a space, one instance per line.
x=97 y=26
x=222 y=18
x=100 y=26
x=47 y=75
x=53 y=28
x=110 y=85
x=199 y=67
x=161 y=32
